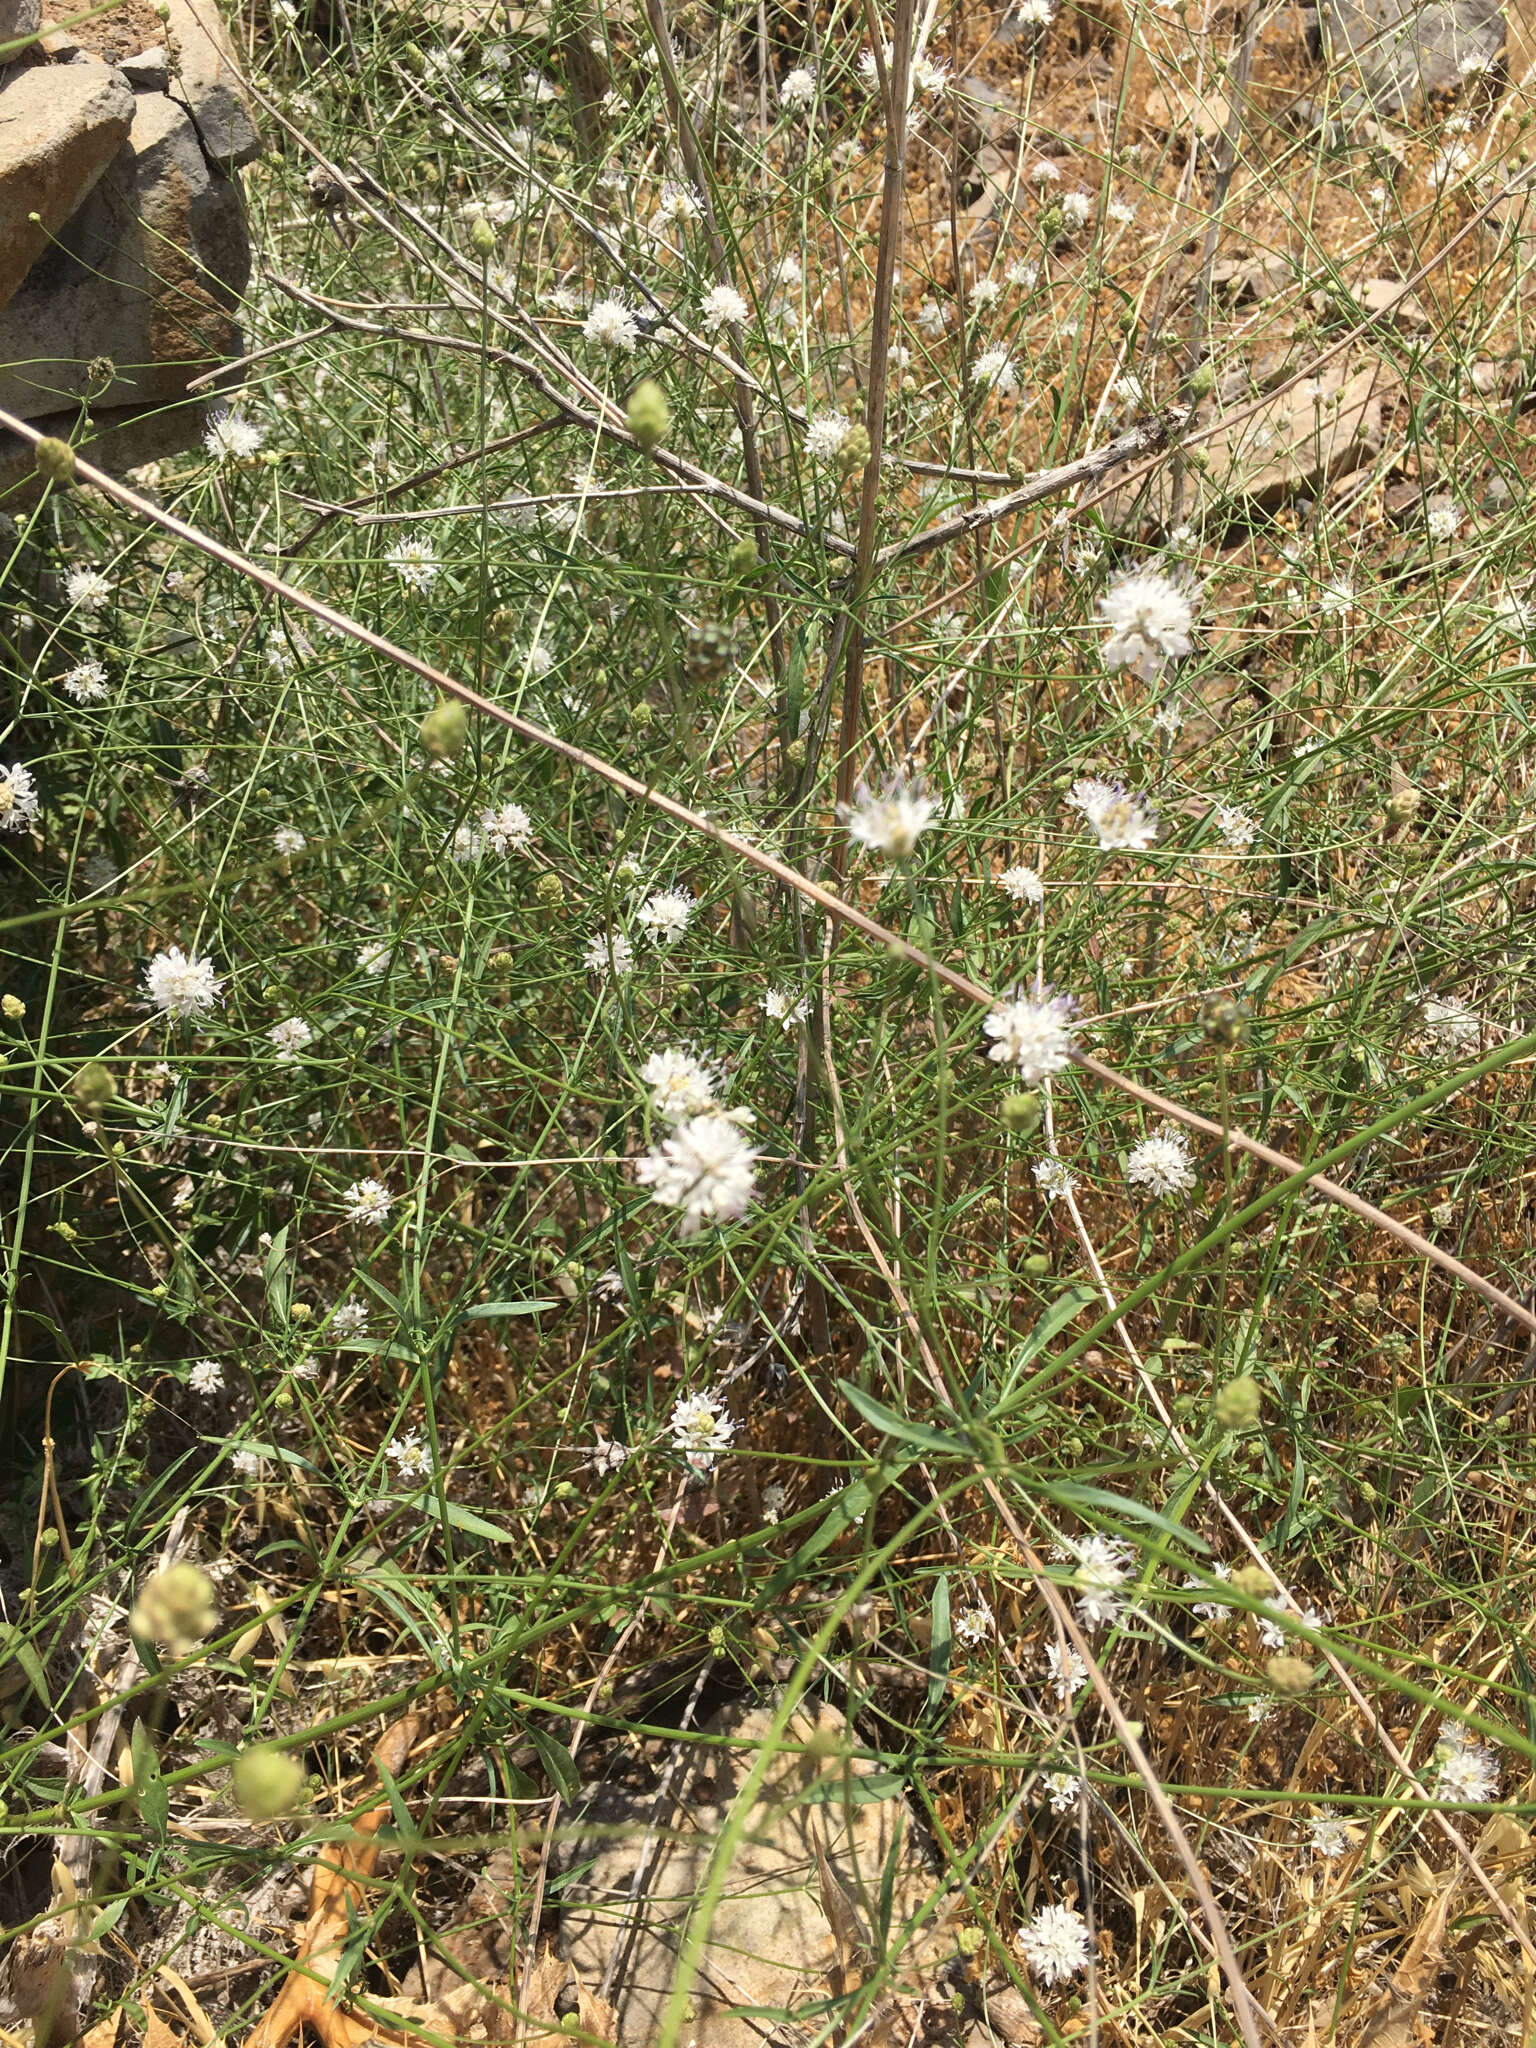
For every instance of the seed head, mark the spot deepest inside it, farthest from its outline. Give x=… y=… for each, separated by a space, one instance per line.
x=176 y=1607
x=649 y=415
x=267 y=1782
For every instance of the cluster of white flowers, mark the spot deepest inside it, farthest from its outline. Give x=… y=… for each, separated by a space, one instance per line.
x=1103 y=1566
x=19 y=800
x=681 y=1085
x=611 y=325
x=1053 y=1177
x=1033 y=1033
x=86 y=682
x=704 y=1167
x=1023 y=884
x=994 y=369
x=701 y=1429
x=825 y=435
x=1066 y=1674
x=206 y=1376
x=289 y=841
x=974 y=1625
x=724 y=306
x=415 y=563
x=290 y=1037
x=1238 y=827
x=1450 y=1026
x=1076 y=209
x=609 y=952
x=783 y=1007
x=666 y=915
x=1151 y=619
x=1064 y=1789
x=367 y=1201
x=679 y=204
x=181 y=985
x=797 y=89
x=1055 y=1944
x=1330 y=1834
x=508 y=830
x=1122 y=821
x=350 y=1320
x=1465 y=1769
x=88 y=590
x=373 y=957
x=231 y=437
x=1161 y=1163
x=893 y=821
x=411 y=1457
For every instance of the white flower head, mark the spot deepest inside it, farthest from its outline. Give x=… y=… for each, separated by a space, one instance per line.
x=679 y=203
x=705 y=1168
x=611 y=325
x=1450 y=1026
x=609 y=952
x=1033 y=1032
x=88 y=590
x=995 y=370
x=1076 y=209
x=206 y=1376
x=797 y=90
x=86 y=682
x=367 y=1201
x=1330 y=1834
x=1238 y=827
x=290 y=1037
x=349 y=1320
x=975 y=1625
x=666 y=914
x=373 y=957
x=411 y=1457
x=1151 y=618
x=723 y=307
x=181 y=985
x=825 y=436
x=19 y=800
x=681 y=1085
x=1161 y=1163
x=1103 y=1566
x=1122 y=821
x=1063 y=1789
x=701 y=1429
x=508 y=830
x=289 y=841
x=231 y=437
x=1442 y=516
x=1053 y=1176
x=1065 y=1674
x=1023 y=884
x=1055 y=1944
x=1465 y=1768
x=415 y=563
x=783 y=1007
x=893 y=821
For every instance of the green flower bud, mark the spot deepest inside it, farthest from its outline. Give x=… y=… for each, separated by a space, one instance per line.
x=12 y=1008
x=1223 y=1021
x=650 y=417
x=1202 y=380
x=55 y=460
x=1403 y=805
x=445 y=729
x=1239 y=1404
x=299 y=1312
x=482 y=236
x=743 y=559
x=854 y=450
x=1290 y=1675
x=642 y=717
x=93 y=1086
x=176 y=1607
x=499 y=961
x=267 y=1782
x=1253 y=1582
x=795 y=751
x=1021 y=1112
x=1037 y=1265
x=549 y=890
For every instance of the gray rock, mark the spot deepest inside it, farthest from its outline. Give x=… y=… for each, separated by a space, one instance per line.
x=1302 y=438
x=149 y=71
x=146 y=275
x=60 y=127
x=19 y=18
x=1398 y=49
x=771 y=1943
x=205 y=83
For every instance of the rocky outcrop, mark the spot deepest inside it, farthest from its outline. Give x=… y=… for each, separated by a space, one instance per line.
x=123 y=243
x=1400 y=49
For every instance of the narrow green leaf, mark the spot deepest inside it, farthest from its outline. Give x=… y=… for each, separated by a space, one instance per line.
x=940 y=1648
x=886 y=1419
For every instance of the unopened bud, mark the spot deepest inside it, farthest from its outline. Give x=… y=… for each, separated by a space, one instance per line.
x=12 y=1007
x=549 y=890
x=1037 y=1265
x=854 y=450
x=649 y=415
x=1253 y=1581
x=55 y=460
x=93 y=1086
x=267 y=1782
x=482 y=236
x=1239 y=1404
x=1290 y=1675
x=176 y=1607
x=743 y=558
x=1402 y=805
x=1222 y=1020
x=1021 y=1112
x=445 y=729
